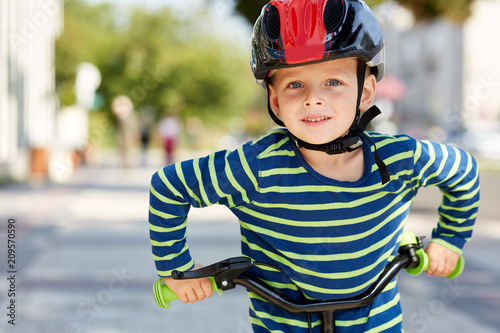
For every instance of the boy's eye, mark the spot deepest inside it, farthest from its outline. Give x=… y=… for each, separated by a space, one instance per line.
x=295 y=85
x=333 y=83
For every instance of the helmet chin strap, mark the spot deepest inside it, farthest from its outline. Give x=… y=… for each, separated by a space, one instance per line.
x=351 y=141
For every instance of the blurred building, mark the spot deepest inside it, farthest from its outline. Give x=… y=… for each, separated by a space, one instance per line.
x=481 y=67
x=28 y=30
x=450 y=71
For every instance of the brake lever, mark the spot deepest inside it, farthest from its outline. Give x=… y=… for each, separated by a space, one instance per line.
x=223 y=271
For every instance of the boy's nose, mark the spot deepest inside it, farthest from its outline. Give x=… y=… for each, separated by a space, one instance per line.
x=313 y=98
x=310 y=103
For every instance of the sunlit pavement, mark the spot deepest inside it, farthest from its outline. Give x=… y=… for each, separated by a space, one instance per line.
x=83 y=262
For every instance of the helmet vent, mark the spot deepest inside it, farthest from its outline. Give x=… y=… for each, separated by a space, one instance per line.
x=334 y=10
x=272 y=23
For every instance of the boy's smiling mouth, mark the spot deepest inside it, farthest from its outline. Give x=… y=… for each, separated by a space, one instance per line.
x=315 y=120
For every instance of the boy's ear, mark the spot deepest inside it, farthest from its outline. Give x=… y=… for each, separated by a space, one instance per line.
x=273 y=99
x=369 y=92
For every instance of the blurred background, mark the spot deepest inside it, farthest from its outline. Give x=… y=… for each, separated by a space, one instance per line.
x=96 y=96
x=180 y=71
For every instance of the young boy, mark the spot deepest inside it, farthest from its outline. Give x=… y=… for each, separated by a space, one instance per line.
x=320 y=198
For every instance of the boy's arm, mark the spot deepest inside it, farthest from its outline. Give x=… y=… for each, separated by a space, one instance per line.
x=455 y=172
x=222 y=178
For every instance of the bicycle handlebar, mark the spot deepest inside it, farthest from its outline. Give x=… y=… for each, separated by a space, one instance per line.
x=230 y=272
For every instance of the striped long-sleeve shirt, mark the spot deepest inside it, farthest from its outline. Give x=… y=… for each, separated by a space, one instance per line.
x=332 y=238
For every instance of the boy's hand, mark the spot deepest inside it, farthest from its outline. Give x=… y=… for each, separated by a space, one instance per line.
x=441 y=260
x=190 y=290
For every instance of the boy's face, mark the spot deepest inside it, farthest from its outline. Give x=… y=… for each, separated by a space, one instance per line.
x=317 y=102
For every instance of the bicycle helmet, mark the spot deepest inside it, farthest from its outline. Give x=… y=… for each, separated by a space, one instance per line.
x=291 y=33
x=298 y=32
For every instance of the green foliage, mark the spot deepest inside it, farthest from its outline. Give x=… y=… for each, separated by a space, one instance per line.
x=250 y=9
x=87 y=32
x=156 y=59
x=372 y=3
x=455 y=10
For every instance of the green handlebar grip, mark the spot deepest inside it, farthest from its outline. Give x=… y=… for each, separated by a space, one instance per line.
x=408 y=238
x=424 y=265
x=163 y=294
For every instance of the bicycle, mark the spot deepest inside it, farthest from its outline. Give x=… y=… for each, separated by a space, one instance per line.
x=226 y=274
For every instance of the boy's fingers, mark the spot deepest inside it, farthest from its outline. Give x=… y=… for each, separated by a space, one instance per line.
x=207 y=287
x=432 y=266
x=200 y=289
x=440 y=268
x=436 y=266
x=192 y=296
x=441 y=260
x=446 y=268
x=451 y=263
x=183 y=297
x=192 y=290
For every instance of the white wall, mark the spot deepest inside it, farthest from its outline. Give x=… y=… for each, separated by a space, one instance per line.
x=28 y=29
x=482 y=65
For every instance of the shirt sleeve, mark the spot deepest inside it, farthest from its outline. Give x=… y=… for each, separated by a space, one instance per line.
x=455 y=172
x=221 y=178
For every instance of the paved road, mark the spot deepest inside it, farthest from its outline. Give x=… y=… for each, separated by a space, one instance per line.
x=83 y=263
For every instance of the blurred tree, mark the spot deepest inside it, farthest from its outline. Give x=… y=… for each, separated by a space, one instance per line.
x=89 y=33
x=456 y=10
x=156 y=59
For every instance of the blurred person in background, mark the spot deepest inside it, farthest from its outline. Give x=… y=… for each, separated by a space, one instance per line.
x=123 y=109
x=146 y=125
x=169 y=129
